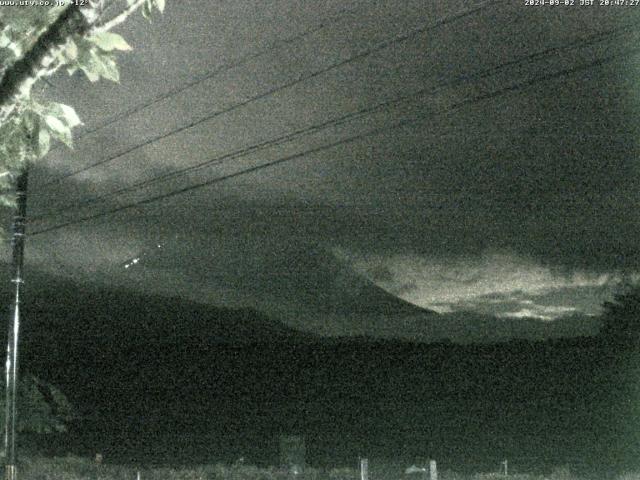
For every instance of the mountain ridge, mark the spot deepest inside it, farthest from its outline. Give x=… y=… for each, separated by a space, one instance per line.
x=68 y=312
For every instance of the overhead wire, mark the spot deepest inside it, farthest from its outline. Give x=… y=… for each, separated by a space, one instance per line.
x=272 y=91
x=213 y=73
x=344 y=141
x=482 y=74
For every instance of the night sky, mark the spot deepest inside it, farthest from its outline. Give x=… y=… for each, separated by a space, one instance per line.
x=286 y=173
x=462 y=156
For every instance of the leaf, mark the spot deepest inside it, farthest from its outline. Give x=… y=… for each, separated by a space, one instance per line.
x=55 y=124
x=15 y=48
x=91 y=75
x=71 y=50
x=96 y=63
x=146 y=9
x=109 y=41
x=70 y=115
x=8 y=200
x=111 y=71
x=59 y=130
x=160 y=5
x=6 y=180
x=62 y=112
x=83 y=62
x=5 y=40
x=44 y=142
x=105 y=66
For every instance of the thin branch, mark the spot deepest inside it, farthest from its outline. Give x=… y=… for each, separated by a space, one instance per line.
x=20 y=77
x=40 y=60
x=118 y=19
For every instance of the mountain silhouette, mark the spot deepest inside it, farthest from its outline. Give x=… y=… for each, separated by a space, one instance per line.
x=59 y=311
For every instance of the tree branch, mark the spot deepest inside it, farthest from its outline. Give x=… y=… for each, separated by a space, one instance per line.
x=118 y=19
x=20 y=77
x=39 y=61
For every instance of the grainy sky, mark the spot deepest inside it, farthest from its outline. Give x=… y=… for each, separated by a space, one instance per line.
x=485 y=161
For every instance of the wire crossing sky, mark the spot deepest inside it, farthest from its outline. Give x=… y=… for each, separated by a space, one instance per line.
x=381 y=46
x=192 y=83
x=332 y=123
x=475 y=159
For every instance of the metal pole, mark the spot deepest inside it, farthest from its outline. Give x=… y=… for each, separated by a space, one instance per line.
x=364 y=469
x=433 y=470
x=11 y=389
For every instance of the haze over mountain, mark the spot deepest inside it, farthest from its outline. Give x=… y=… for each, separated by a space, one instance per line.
x=66 y=313
x=61 y=309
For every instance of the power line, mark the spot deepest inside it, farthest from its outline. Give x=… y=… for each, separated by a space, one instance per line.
x=348 y=140
x=582 y=42
x=213 y=73
x=345 y=141
x=380 y=46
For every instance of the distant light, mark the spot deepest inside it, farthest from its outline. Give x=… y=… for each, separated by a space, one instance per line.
x=136 y=260
x=132 y=262
x=414 y=469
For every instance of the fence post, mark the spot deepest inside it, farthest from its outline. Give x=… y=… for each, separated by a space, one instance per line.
x=292 y=453
x=433 y=470
x=364 y=469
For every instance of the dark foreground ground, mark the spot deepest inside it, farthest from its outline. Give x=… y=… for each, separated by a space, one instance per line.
x=185 y=384
x=537 y=404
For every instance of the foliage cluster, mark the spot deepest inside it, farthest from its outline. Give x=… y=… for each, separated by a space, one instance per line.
x=42 y=407
x=32 y=122
x=621 y=316
x=26 y=134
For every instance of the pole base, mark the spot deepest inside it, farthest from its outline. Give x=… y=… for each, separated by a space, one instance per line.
x=10 y=472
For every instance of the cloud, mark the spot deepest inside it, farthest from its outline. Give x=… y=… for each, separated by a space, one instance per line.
x=525 y=313
x=504 y=284
x=542 y=312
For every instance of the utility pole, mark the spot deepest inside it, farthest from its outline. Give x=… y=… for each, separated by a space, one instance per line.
x=11 y=387
x=364 y=469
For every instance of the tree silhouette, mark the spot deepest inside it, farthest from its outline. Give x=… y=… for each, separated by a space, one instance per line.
x=43 y=408
x=621 y=316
